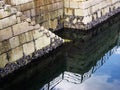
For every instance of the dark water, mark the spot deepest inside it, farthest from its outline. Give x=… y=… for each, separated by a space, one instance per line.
x=90 y=61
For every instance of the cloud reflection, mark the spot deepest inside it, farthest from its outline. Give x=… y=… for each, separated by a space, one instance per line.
x=107 y=78
x=94 y=83
x=117 y=51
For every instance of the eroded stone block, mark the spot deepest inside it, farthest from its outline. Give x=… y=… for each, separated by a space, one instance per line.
x=29 y=36
x=3 y=60
x=14 y=42
x=5 y=34
x=28 y=48
x=22 y=38
x=15 y=54
x=21 y=28
x=42 y=42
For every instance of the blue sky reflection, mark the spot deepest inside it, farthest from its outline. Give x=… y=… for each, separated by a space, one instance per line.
x=106 y=77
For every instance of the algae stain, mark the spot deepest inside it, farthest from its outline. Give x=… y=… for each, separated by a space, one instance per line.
x=67 y=40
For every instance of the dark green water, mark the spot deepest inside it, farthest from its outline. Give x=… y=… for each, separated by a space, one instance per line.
x=91 y=61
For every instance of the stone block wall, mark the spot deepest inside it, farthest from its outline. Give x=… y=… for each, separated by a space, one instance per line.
x=45 y=12
x=77 y=14
x=21 y=39
x=85 y=14
x=22 y=33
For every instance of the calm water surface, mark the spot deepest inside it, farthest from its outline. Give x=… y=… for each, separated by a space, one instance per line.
x=88 y=61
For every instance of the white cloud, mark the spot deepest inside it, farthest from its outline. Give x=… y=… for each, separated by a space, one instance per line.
x=117 y=51
x=94 y=83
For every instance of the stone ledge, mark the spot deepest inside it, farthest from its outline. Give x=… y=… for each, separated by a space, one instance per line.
x=10 y=67
x=78 y=24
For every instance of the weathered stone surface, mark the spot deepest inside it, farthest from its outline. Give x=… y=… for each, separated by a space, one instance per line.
x=21 y=28
x=37 y=34
x=5 y=34
x=6 y=45
x=14 y=42
x=3 y=60
x=29 y=36
x=17 y=2
x=98 y=10
x=8 y=21
x=3 y=13
x=2 y=3
x=1 y=48
x=42 y=42
x=22 y=38
x=28 y=48
x=15 y=54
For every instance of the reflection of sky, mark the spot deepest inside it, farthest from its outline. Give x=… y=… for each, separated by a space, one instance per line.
x=105 y=78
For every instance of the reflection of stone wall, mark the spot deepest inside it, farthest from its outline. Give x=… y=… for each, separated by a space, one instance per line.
x=21 y=39
x=92 y=47
x=84 y=14
x=46 y=12
x=50 y=66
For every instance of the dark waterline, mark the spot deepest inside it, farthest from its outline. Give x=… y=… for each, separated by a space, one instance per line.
x=90 y=60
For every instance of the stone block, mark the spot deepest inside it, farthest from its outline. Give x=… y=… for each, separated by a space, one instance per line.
x=54 y=24
x=21 y=28
x=103 y=4
x=87 y=19
x=4 y=14
x=22 y=38
x=60 y=12
x=6 y=45
x=74 y=4
x=89 y=3
x=114 y=1
x=79 y=12
x=2 y=3
x=5 y=34
x=99 y=13
x=29 y=36
x=95 y=8
x=27 y=13
x=15 y=54
x=33 y=12
x=28 y=48
x=37 y=34
x=3 y=60
x=46 y=25
x=18 y=2
x=2 y=49
x=8 y=21
x=69 y=11
x=66 y=4
x=107 y=10
x=42 y=42
x=14 y=42
x=19 y=20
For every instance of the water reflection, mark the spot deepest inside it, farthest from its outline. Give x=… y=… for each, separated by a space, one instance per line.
x=105 y=78
x=86 y=63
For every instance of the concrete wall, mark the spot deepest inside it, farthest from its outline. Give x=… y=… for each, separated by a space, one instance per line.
x=84 y=14
x=46 y=12
x=21 y=39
